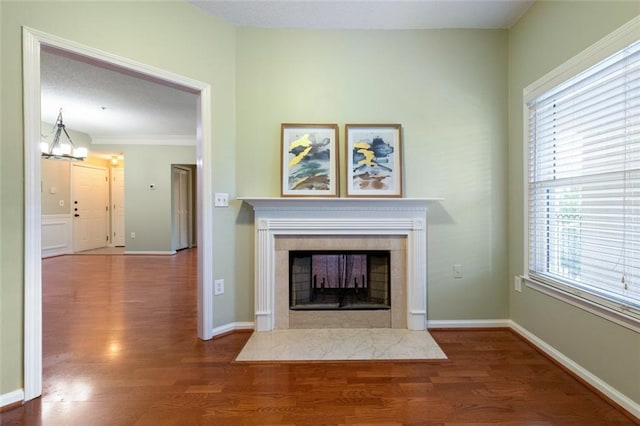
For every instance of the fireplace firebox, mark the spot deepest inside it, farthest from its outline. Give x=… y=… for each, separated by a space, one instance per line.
x=339 y=280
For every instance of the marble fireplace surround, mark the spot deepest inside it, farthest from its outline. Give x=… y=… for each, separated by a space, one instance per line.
x=336 y=219
x=395 y=317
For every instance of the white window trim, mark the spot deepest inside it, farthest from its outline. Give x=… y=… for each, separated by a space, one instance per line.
x=602 y=49
x=610 y=314
x=612 y=43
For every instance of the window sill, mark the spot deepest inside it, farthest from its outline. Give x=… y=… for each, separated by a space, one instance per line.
x=609 y=314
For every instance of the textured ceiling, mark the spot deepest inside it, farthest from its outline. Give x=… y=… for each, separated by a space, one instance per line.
x=368 y=14
x=109 y=103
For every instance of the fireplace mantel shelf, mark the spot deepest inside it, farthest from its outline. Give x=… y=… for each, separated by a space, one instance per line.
x=335 y=203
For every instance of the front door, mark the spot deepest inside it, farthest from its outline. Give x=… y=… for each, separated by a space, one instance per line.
x=90 y=204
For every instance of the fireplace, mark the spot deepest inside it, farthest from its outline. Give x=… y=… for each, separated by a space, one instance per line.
x=395 y=316
x=397 y=225
x=339 y=280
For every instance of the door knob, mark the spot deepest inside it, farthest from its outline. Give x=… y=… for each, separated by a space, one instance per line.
x=76 y=215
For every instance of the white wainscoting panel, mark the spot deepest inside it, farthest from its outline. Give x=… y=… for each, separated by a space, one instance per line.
x=56 y=235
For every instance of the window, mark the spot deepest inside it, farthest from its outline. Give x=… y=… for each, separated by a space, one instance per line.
x=584 y=184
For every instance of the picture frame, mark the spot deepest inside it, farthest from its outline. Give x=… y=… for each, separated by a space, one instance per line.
x=373 y=160
x=309 y=160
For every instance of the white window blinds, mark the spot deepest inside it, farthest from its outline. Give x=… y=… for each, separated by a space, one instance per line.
x=584 y=184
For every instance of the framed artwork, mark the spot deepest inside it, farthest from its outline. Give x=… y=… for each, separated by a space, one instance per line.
x=309 y=160
x=374 y=160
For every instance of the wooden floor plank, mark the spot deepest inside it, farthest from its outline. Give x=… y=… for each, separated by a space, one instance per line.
x=120 y=348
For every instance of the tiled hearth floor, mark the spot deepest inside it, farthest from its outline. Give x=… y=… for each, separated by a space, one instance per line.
x=340 y=344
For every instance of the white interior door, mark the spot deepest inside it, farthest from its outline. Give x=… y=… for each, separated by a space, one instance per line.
x=117 y=207
x=90 y=204
x=181 y=207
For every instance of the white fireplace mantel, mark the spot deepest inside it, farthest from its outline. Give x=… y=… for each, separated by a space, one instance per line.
x=340 y=217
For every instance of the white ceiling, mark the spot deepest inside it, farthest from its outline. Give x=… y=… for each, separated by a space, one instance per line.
x=368 y=14
x=110 y=103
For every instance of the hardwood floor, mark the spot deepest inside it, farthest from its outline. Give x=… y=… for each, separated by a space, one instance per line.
x=120 y=348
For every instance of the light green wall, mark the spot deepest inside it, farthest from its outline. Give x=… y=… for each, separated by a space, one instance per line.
x=148 y=212
x=448 y=89
x=174 y=36
x=549 y=34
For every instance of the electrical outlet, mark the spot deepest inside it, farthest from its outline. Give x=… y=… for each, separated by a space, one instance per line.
x=517 y=283
x=133 y=235
x=457 y=271
x=218 y=287
x=221 y=199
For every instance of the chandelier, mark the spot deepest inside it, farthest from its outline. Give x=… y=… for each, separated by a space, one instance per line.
x=58 y=150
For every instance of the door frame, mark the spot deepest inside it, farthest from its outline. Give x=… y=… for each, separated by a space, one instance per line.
x=174 y=225
x=112 y=218
x=32 y=42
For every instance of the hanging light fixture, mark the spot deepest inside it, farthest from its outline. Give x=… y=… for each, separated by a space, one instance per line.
x=58 y=150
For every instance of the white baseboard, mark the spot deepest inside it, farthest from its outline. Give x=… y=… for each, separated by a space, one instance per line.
x=154 y=253
x=492 y=323
x=234 y=326
x=11 y=398
x=610 y=392
x=599 y=384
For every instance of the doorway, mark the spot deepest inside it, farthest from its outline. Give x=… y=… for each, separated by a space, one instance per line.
x=33 y=42
x=182 y=207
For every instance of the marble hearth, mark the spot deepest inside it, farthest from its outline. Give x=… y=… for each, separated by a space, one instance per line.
x=398 y=225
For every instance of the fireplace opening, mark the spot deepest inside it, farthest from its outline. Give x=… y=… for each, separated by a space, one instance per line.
x=339 y=280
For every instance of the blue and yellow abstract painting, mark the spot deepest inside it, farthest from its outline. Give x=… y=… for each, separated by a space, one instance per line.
x=310 y=161
x=374 y=164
